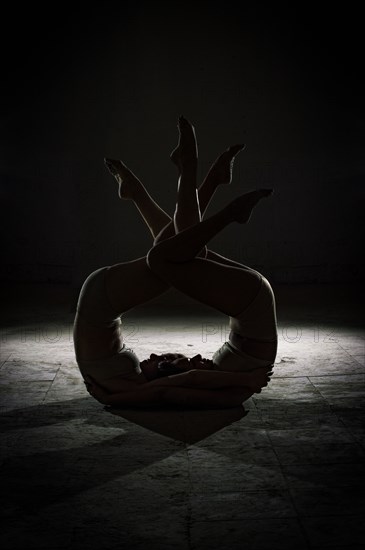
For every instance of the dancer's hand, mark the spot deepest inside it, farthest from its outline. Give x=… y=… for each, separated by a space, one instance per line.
x=96 y=391
x=259 y=378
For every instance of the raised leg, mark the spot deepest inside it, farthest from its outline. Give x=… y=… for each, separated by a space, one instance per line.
x=157 y=220
x=131 y=284
x=190 y=204
x=185 y=245
x=139 y=283
x=130 y=187
x=226 y=288
x=185 y=156
x=220 y=173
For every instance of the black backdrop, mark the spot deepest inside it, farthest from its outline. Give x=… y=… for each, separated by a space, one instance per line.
x=81 y=82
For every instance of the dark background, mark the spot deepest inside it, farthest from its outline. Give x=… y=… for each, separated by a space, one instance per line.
x=81 y=83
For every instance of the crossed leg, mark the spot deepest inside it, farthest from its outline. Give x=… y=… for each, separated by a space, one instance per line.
x=157 y=220
x=227 y=288
x=130 y=284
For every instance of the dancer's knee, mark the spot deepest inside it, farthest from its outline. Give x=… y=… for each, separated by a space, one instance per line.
x=165 y=233
x=156 y=260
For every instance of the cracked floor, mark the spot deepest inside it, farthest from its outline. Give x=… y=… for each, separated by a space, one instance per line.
x=288 y=474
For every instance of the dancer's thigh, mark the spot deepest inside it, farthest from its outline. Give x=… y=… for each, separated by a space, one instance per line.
x=130 y=284
x=226 y=288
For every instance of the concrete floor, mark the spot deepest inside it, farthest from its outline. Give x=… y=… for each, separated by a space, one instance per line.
x=287 y=475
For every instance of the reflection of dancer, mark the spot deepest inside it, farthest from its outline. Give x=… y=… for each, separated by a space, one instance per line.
x=179 y=258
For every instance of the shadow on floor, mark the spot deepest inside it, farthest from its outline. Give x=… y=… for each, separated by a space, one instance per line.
x=188 y=426
x=35 y=480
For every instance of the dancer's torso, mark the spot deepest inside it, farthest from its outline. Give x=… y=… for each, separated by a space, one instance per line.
x=260 y=349
x=97 y=327
x=254 y=331
x=95 y=342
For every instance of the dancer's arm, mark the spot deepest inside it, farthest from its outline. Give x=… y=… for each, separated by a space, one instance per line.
x=175 y=395
x=151 y=392
x=212 y=379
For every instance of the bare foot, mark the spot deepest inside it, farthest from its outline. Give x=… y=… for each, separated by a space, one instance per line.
x=221 y=170
x=127 y=181
x=259 y=378
x=241 y=208
x=186 y=151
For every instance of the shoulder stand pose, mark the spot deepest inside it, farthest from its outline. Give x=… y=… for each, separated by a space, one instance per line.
x=179 y=258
